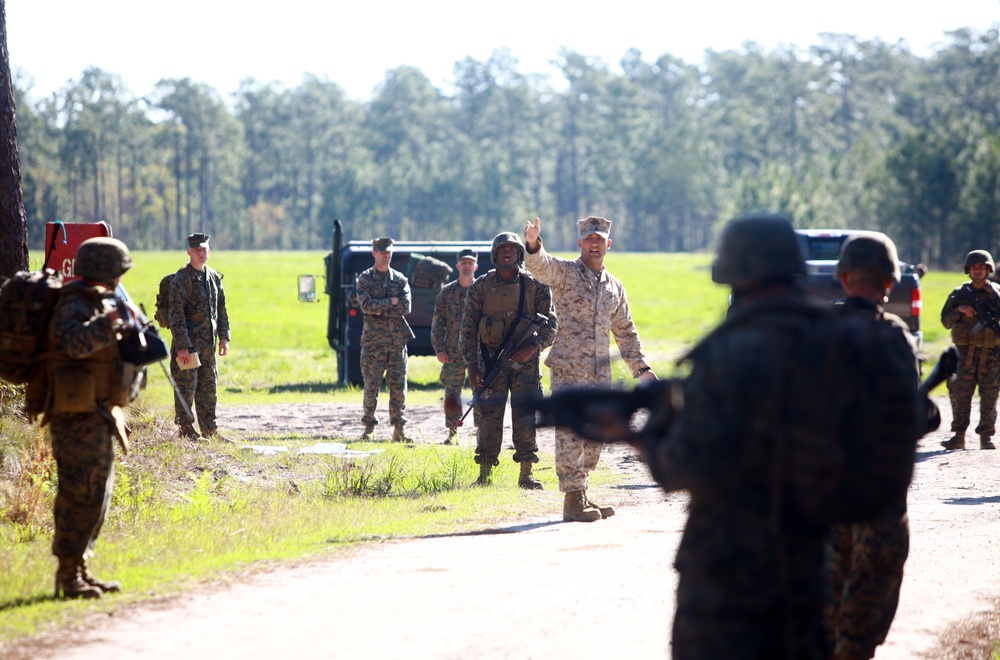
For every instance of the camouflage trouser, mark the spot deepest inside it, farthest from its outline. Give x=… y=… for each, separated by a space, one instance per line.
x=82 y=445
x=523 y=385
x=453 y=379
x=199 y=389
x=974 y=370
x=575 y=457
x=865 y=574
x=389 y=362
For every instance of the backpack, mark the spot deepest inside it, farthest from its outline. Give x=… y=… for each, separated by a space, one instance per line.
x=26 y=304
x=162 y=312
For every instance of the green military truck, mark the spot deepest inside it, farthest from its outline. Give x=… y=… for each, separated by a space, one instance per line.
x=428 y=265
x=821 y=249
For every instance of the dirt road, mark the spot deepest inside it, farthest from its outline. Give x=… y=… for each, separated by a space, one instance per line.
x=541 y=588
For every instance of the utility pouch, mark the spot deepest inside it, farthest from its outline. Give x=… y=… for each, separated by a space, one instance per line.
x=74 y=389
x=491 y=331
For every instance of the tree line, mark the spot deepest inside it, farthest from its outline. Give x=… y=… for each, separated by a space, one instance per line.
x=846 y=133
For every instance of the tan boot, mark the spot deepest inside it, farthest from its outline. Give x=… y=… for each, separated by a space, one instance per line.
x=369 y=433
x=398 y=435
x=484 y=475
x=453 y=438
x=957 y=441
x=605 y=511
x=69 y=584
x=574 y=508
x=112 y=587
x=527 y=480
x=985 y=442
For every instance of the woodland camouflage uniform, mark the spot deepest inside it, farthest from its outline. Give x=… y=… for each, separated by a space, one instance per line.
x=867 y=558
x=489 y=313
x=592 y=307
x=978 y=358
x=88 y=386
x=198 y=320
x=383 y=340
x=446 y=326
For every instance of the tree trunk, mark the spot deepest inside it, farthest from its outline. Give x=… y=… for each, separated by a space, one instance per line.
x=13 y=223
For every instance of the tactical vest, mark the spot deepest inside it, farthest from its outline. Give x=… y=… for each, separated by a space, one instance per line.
x=80 y=385
x=500 y=307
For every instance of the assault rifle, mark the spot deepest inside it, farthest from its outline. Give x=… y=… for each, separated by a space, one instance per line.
x=609 y=414
x=502 y=362
x=985 y=316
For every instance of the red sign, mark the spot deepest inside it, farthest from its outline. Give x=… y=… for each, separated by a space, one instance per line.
x=63 y=238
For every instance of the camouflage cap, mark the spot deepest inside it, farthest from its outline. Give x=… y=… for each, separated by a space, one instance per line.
x=757 y=248
x=872 y=251
x=383 y=244
x=979 y=257
x=102 y=260
x=468 y=254
x=594 y=225
x=198 y=240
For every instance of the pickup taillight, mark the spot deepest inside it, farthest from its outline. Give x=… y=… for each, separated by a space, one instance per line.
x=916 y=304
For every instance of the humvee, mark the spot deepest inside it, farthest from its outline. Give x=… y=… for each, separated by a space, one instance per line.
x=428 y=265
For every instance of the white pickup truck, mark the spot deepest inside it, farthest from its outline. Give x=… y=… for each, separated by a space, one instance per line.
x=821 y=248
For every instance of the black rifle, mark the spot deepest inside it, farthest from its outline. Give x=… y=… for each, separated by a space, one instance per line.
x=502 y=361
x=985 y=316
x=609 y=414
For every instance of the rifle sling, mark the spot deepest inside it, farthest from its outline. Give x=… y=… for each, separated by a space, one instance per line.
x=487 y=362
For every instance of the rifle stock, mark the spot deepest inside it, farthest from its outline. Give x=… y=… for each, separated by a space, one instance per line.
x=945 y=368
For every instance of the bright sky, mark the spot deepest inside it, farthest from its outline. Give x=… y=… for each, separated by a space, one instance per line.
x=354 y=42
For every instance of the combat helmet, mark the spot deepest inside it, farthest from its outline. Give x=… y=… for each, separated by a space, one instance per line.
x=979 y=257
x=757 y=248
x=503 y=239
x=102 y=259
x=872 y=251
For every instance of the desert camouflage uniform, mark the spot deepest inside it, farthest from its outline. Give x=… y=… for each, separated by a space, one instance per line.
x=198 y=319
x=978 y=360
x=383 y=341
x=487 y=297
x=590 y=306
x=82 y=442
x=867 y=558
x=446 y=326
x=750 y=571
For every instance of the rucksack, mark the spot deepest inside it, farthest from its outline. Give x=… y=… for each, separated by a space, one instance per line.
x=162 y=312
x=26 y=303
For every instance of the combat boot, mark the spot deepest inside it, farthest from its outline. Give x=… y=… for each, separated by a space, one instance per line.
x=605 y=511
x=398 y=435
x=485 y=470
x=527 y=480
x=985 y=442
x=112 y=587
x=957 y=441
x=369 y=433
x=452 y=437
x=574 y=508
x=69 y=584
x=188 y=433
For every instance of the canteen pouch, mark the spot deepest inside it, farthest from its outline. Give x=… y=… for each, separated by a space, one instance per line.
x=491 y=331
x=74 y=389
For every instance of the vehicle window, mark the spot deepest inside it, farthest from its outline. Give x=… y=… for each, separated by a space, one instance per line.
x=821 y=248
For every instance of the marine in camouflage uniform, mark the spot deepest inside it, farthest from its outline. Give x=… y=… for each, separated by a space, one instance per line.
x=592 y=306
x=446 y=326
x=978 y=352
x=384 y=297
x=750 y=571
x=867 y=558
x=499 y=306
x=88 y=386
x=198 y=319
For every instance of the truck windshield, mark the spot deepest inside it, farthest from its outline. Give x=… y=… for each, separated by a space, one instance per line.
x=821 y=248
